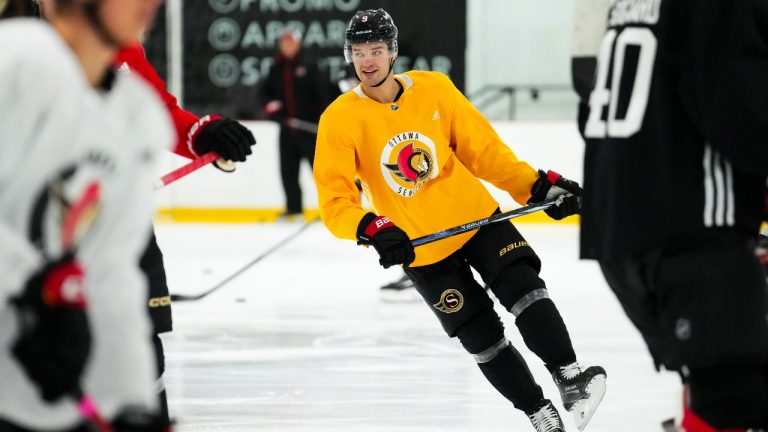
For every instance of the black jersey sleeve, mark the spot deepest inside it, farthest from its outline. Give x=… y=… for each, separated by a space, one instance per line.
x=724 y=77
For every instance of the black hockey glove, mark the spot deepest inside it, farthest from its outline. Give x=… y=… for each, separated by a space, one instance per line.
x=54 y=339
x=552 y=185
x=231 y=140
x=393 y=244
x=139 y=420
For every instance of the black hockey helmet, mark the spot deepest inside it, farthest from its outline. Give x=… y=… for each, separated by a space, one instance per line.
x=18 y=8
x=372 y=25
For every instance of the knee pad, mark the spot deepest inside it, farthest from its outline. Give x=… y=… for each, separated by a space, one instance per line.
x=483 y=336
x=518 y=287
x=453 y=294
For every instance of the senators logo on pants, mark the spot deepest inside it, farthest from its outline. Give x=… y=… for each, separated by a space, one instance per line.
x=450 y=301
x=408 y=161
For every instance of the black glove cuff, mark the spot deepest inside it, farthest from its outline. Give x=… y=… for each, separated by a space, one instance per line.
x=364 y=222
x=540 y=188
x=198 y=141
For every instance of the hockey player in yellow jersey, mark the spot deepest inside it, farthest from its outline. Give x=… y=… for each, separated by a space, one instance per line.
x=419 y=147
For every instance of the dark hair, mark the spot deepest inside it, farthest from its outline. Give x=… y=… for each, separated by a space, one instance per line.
x=20 y=8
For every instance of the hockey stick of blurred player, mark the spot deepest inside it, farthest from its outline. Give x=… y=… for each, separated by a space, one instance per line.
x=278 y=245
x=128 y=420
x=193 y=166
x=450 y=232
x=90 y=413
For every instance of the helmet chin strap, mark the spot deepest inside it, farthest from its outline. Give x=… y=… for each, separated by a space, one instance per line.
x=92 y=14
x=391 y=66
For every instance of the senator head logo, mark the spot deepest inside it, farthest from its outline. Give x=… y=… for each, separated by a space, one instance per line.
x=451 y=301
x=408 y=161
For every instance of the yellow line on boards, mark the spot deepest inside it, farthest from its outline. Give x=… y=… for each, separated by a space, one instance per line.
x=255 y=215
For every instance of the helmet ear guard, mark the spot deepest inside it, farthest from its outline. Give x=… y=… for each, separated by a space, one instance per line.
x=367 y=26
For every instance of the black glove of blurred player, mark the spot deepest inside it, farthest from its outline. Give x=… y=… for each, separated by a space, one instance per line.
x=552 y=185
x=393 y=244
x=231 y=140
x=138 y=420
x=54 y=339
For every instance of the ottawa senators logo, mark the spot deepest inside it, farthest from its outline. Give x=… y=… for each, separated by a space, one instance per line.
x=407 y=162
x=65 y=210
x=451 y=301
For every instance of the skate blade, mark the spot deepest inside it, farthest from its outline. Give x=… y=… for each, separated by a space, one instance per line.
x=585 y=408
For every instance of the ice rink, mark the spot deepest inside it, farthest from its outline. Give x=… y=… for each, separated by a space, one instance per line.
x=302 y=342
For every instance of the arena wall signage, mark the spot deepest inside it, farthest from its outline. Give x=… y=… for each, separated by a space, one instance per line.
x=229 y=45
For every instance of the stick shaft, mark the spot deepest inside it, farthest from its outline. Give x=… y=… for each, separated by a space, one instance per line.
x=304 y=125
x=186 y=169
x=90 y=413
x=225 y=281
x=450 y=232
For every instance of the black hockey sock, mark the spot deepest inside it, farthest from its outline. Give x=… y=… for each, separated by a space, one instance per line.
x=509 y=374
x=545 y=334
x=164 y=415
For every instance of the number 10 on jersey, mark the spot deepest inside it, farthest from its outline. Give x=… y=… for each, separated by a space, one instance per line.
x=629 y=56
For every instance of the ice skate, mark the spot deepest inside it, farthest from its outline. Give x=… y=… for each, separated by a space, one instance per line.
x=581 y=390
x=402 y=290
x=546 y=418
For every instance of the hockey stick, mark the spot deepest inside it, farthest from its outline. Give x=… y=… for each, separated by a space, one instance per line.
x=87 y=409
x=182 y=297
x=303 y=125
x=192 y=167
x=450 y=232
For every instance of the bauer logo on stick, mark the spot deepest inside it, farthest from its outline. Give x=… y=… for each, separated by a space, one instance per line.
x=451 y=301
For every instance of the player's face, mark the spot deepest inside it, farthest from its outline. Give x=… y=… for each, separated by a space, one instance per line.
x=371 y=62
x=126 y=20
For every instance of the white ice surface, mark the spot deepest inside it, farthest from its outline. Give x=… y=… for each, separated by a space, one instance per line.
x=302 y=342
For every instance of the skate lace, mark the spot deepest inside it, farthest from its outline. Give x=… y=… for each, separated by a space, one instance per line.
x=570 y=371
x=545 y=419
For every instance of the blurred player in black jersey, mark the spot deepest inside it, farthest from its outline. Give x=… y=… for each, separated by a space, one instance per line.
x=676 y=128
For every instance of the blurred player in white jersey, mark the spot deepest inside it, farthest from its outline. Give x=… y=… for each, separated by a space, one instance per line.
x=76 y=169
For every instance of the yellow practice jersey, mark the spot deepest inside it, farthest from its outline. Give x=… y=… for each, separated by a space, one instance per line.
x=419 y=160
